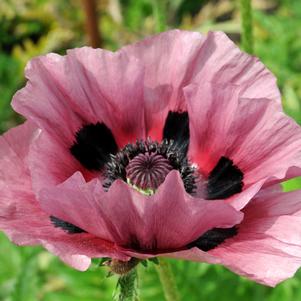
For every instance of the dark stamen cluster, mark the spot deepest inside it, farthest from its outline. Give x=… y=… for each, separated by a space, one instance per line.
x=116 y=167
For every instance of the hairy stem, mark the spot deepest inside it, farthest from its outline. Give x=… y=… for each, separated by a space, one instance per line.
x=246 y=24
x=127 y=287
x=168 y=281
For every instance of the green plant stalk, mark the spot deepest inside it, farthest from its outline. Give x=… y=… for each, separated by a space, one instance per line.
x=127 y=287
x=159 y=11
x=168 y=282
x=247 y=26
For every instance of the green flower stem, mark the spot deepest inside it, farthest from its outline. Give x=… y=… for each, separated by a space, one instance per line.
x=127 y=287
x=246 y=24
x=167 y=280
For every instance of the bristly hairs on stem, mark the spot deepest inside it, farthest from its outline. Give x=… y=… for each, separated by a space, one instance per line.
x=246 y=26
x=126 y=289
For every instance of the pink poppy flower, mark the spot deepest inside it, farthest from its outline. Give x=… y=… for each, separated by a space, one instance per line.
x=152 y=151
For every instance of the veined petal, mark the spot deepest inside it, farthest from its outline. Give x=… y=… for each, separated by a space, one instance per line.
x=64 y=93
x=254 y=133
x=21 y=216
x=51 y=163
x=169 y=219
x=267 y=248
x=175 y=59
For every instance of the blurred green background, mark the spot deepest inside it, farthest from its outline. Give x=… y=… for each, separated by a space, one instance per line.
x=33 y=27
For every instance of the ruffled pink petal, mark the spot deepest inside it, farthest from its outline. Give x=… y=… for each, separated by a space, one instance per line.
x=45 y=98
x=292 y=172
x=224 y=63
x=175 y=59
x=63 y=93
x=262 y=259
x=167 y=220
x=109 y=86
x=78 y=251
x=86 y=86
x=51 y=163
x=21 y=217
x=169 y=60
x=267 y=248
x=260 y=139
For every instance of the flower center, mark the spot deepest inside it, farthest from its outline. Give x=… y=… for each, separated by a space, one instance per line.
x=145 y=165
x=148 y=170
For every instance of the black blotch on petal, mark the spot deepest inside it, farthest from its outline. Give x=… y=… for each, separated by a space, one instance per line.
x=94 y=143
x=225 y=180
x=69 y=228
x=177 y=128
x=213 y=238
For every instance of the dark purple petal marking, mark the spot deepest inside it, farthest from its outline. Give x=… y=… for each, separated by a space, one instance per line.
x=176 y=128
x=225 y=180
x=213 y=238
x=67 y=227
x=94 y=143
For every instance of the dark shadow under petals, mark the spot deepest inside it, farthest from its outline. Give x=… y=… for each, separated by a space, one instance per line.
x=94 y=143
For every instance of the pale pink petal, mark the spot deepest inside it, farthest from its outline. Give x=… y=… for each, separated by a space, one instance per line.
x=169 y=60
x=109 y=87
x=267 y=248
x=273 y=204
x=21 y=217
x=14 y=146
x=256 y=260
x=167 y=220
x=77 y=250
x=75 y=202
x=175 y=59
x=224 y=63
x=260 y=139
x=45 y=98
x=293 y=172
x=51 y=163
x=179 y=218
x=63 y=93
